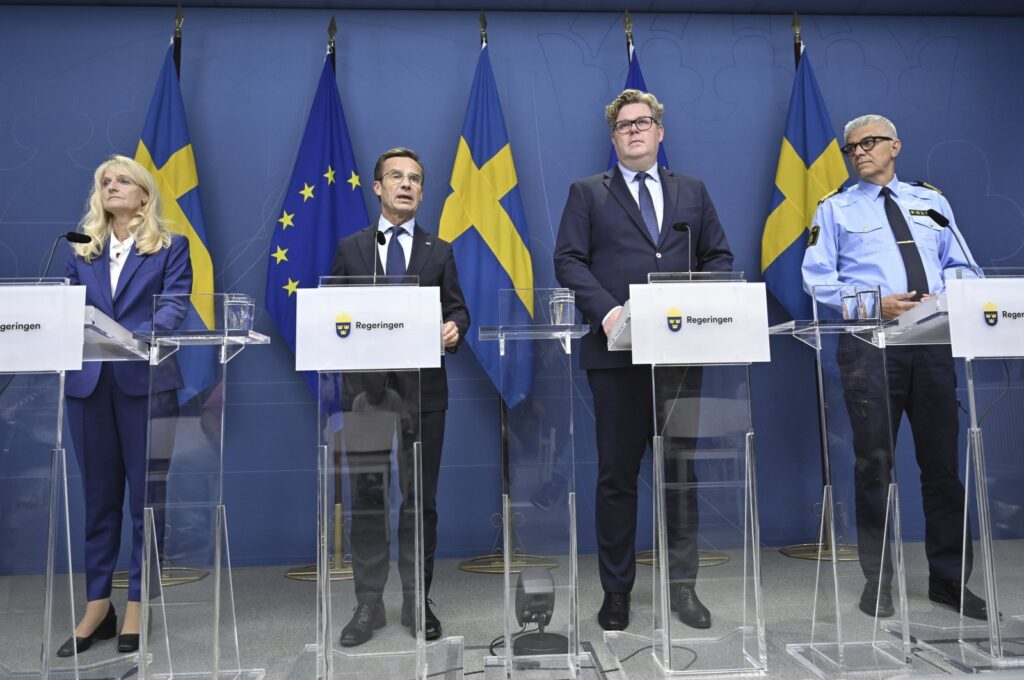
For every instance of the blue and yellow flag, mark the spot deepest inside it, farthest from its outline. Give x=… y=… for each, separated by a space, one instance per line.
x=483 y=219
x=323 y=204
x=165 y=149
x=635 y=81
x=810 y=166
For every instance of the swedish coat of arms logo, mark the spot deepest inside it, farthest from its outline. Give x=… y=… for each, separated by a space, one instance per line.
x=343 y=325
x=991 y=313
x=674 y=318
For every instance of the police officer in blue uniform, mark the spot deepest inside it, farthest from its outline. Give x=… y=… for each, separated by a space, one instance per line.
x=896 y=236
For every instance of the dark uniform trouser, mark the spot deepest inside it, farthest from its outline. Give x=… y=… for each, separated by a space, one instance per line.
x=370 y=475
x=624 y=416
x=922 y=384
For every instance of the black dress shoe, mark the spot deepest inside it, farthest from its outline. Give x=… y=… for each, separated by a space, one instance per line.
x=368 y=617
x=106 y=630
x=431 y=624
x=614 y=613
x=691 y=610
x=947 y=591
x=872 y=597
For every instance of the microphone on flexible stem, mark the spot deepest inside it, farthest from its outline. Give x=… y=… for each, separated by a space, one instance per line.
x=683 y=226
x=943 y=222
x=71 y=237
x=380 y=241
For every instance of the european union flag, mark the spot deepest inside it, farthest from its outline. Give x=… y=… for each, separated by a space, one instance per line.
x=165 y=149
x=483 y=219
x=322 y=205
x=810 y=166
x=635 y=81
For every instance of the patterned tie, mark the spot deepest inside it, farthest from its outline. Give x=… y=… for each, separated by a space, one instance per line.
x=916 y=277
x=396 y=255
x=647 y=207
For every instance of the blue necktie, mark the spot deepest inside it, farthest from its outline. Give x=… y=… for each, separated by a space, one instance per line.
x=647 y=207
x=396 y=255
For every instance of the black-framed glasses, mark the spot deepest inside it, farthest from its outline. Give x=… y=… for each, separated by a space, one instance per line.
x=643 y=124
x=868 y=143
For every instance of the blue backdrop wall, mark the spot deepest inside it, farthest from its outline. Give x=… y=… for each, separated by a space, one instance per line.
x=76 y=85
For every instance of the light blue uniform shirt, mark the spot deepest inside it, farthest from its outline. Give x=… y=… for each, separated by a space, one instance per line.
x=856 y=246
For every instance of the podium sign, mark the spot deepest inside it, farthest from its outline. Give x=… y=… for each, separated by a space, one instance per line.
x=986 y=317
x=41 y=328
x=359 y=328
x=700 y=323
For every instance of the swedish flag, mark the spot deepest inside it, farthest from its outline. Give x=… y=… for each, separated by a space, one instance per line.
x=323 y=203
x=810 y=166
x=483 y=219
x=165 y=149
x=635 y=81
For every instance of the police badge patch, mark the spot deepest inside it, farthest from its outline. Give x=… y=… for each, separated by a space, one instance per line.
x=812 y=240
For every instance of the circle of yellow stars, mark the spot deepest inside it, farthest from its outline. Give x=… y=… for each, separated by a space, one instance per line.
x=287 y=219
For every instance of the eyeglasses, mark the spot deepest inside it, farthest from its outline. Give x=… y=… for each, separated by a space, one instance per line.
x=397 y=177
x=643 y=124
x=868 y=143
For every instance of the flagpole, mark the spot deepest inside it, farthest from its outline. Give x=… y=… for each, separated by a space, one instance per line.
x=627 y=26
x=332 y=32
x=494 y=562
x=798 y=43
x=179 y=19
x=340 y=569
x=822 y=549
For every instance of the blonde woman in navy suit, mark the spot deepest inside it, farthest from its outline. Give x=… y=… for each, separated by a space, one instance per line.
x=131 y=258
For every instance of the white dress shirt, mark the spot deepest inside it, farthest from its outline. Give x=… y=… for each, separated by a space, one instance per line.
x=653 y=185
x=404 y=239
x=118 y=252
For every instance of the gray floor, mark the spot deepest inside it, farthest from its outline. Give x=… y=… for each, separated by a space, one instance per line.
x=277 y=617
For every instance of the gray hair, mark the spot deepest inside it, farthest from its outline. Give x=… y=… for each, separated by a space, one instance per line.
x=870 y=118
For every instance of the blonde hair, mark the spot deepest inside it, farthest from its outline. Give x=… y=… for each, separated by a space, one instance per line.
x=611 y=112
x=146 y=227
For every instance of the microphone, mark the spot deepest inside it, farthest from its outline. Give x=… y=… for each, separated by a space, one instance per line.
x=380 y=241
x=71 y=237
x=683 y=226
x=943 y=222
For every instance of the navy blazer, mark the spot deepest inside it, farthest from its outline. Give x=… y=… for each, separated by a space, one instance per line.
x=433 y=261
x=165 y=272
x=603 y=246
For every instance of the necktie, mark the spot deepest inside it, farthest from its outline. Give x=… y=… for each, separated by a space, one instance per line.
x=647 y=207
x=916 y=277
x=396 y=255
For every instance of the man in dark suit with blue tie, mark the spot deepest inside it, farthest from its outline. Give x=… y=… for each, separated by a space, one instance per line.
x=617 y=227
x=397 y=246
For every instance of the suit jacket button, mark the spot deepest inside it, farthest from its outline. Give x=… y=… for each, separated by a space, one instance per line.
x=658 y=255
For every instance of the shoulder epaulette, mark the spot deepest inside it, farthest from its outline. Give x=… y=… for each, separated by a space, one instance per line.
x=927 y=186
x=831 y=194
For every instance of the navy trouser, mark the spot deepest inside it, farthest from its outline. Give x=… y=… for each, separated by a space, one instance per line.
x=624 y=417
x=922 y=384
x=109 y=432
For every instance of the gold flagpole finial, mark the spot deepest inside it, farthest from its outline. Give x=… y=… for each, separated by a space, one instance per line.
x=627 y=26
x=179 y=19
x=332 y=31
x=796 y=27
x=483 y=28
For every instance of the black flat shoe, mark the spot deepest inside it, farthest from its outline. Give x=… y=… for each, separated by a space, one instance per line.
x=106 y=630
x=127 y=643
